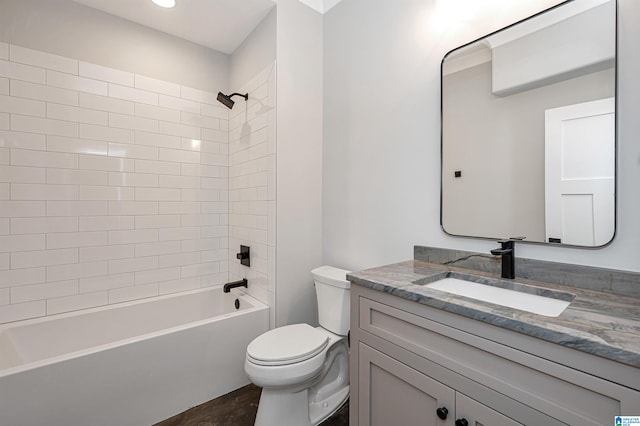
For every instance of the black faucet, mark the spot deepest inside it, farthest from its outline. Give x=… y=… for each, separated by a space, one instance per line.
x=228 y=286
x=506 y=250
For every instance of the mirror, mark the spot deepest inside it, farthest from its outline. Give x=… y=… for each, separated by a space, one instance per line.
x=528 y=129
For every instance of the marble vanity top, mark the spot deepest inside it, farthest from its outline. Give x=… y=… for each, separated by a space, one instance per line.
x=599 y=323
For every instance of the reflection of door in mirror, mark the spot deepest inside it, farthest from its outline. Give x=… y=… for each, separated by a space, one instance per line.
x=495 y=93
x=580 y=172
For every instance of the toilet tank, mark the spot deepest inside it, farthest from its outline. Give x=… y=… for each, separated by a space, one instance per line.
x=332 y=291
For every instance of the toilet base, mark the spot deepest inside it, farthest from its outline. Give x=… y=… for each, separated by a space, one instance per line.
x=279 y=407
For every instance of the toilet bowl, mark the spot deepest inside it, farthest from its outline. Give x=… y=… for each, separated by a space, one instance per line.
x=304 y=370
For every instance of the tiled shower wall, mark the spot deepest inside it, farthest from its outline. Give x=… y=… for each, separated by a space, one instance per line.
x=113 y=186
x=252 y=185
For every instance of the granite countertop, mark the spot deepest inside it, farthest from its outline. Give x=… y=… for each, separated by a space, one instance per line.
x=595 y=322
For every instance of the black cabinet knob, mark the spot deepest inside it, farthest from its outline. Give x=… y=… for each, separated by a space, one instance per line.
x=442 y=412
x=462 y=422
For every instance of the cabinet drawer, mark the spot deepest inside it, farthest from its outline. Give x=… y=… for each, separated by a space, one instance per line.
x=565 y=394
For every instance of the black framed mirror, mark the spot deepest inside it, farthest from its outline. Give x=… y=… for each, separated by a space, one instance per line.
x=529 y=129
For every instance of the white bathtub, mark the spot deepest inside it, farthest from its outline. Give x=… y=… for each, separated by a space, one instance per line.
x=134 y=363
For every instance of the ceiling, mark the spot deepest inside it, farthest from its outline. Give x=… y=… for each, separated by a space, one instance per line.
x=221 y=25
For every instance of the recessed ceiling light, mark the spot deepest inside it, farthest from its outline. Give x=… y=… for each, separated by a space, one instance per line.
x=165 y=3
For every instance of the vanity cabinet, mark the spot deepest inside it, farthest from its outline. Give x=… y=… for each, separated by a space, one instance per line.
x=409 y=360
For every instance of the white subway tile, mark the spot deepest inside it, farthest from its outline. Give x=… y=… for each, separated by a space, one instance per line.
x=77 y=270
x=5 y=297
x=180 y=259
x=79 y=115
x=179 y=130
x=43 y=125
x=157 y=221
x=214 y=207
x=198 y=95
x=33 y=259
x=22 y=140
x=157 y=194
x=21 y=157
x=22 y=208
x=134 y=123
x=200 y=219
x=183 y=233
x=43 y=225
x=73 y=82
x=42 y=59
x=115 y=193
x=131 y=94
x=138 y=152
x=76 y=239
x=4 y=90
x=125 y=294
x=200 y=269
x=90 y=254
x=157 y=275
x=199 y=120
x=191 y=144
x=177 y=155
x=110 y=75
x=159 y=86
x=106 y=223
x=13 y=243
x=5 y=121
x=221 y=255
x=157 y=167
x=133 y=207
x=68 y=176
x=5 y=193
x=179 y=104
x=105 y=282
x=111 y=164
x=175 y=286
x=18 y=277
x=102 y=133
x=14 y=105
x=157 y=248
x=179 y=181
x=214 y=159
x=34 y=191
x=4 y=51
x=104 y=103
x=16 y=71
x=20 y=311
x=44 y=291
x=155 y=139
x=133 y=265
x=22 y=174
x=157 y=113
x=59 y=305
x=133 y=236
x=43 y=93
x=214 y=183
x=220 y=136
x=77 y=208
x=4 y=230
x=200 y=244
x=216 y=111
x=133 y=179
x=76 y=145
x=178 y=207
x=213 y=231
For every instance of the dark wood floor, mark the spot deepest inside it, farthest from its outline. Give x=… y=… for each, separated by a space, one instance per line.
x=237 y=408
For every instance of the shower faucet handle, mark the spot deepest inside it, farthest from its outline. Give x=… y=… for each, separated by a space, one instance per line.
x=244 y=256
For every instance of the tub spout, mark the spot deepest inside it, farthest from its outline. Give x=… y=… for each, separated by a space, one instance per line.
x=228 y=286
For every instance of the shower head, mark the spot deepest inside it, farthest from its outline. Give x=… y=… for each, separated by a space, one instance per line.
x=226 y=99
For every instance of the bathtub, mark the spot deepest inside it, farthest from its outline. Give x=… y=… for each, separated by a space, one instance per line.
x=134 y=363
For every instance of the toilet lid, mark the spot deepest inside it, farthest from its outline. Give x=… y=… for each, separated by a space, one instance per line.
x=287 y=345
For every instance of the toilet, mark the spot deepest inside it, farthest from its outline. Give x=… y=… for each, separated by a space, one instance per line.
x=304 y=370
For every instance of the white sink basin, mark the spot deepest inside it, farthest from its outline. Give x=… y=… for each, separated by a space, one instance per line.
x=524 y=301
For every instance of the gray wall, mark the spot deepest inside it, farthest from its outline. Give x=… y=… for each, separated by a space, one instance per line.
x=255 y=53
x=382 y=131
x=73 y=30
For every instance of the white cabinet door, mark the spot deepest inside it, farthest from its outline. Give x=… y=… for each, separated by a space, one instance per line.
x=393 y=394
x=477 y=414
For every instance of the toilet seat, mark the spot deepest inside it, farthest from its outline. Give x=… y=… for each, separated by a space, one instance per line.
x=287 y=345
